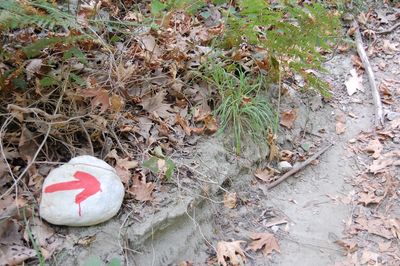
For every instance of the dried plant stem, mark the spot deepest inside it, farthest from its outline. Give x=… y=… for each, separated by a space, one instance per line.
x=298 y=168
x=379 y=121
x=30 y=163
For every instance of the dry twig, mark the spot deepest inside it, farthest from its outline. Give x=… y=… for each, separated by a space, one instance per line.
x=375 y=93
x=395 y=26
x=298 y=168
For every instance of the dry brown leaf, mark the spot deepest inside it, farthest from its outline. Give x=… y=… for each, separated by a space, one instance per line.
x=100 y=98
x=288 y=118
x=340 y=123
x=265 y=241
x=230 y=200
x=15 y=254
x=210 y=125
x=369 y=197
x=375 y=147
x=384 y=161
x=231 y=251
x=356 y=60
x=349 y=245
x=45 y=237
x=389 y=47
x=142 y=190
x=265 y=174
x=184 y=125
x=374 y=226
x=155 y=104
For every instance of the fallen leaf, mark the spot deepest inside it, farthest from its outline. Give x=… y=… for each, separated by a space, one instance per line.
x=210 y=125
x=15 y=254
x=230 y=200
x=141 y=190
x=369 y=257
x=265 y=241
x=99 y=98
x=384 y=161
x=155 y=104
x=44 y=236
x=389 y=47
x=349 y=245
x=340 y=123
x=375 y=147
x=184 y=125
x=288 y=118
x=231 y=251
x=265 y=174
x=369 y=197
x=354 y=83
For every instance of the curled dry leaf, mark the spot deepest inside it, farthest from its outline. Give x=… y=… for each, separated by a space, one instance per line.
x=266 y=175
x=230 y=200
x=288 y=118
x=184 y=124
x=265 y=241
x=375 y=147
x=384 y=161
x=141 y=190
x=349 y=245
x=231 y=251
x=340 y=123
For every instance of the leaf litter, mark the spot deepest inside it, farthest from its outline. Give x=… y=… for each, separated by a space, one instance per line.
x=133 y=107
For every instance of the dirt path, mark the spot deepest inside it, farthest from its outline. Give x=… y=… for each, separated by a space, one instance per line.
x=306 y=201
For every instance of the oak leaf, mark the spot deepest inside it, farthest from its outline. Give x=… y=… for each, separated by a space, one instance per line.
x=231 y=251
x=265 y=241
x=376 y=147
x=99 y=98
x=155 y=104
x=141 y=190
x=288 y=118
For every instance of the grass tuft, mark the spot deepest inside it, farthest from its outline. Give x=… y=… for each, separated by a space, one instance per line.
x=242 y=109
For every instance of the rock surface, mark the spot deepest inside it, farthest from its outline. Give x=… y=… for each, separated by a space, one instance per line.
x=284 y=166
x=85 y=191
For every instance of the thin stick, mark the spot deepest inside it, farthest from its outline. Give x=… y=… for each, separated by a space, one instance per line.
x=375 y=93
x=390 y=29
x=298 y=168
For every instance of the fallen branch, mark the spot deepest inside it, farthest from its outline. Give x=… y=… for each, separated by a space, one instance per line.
x=390 y=29
x=367 y=66
x=299 y=167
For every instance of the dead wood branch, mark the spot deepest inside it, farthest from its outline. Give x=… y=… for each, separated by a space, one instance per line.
x=395 y=26
x=371 y=77
x=36 y=111
x=298 y=168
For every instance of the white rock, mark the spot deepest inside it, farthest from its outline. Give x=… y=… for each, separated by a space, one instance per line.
x=85 y=191
x=284 y=166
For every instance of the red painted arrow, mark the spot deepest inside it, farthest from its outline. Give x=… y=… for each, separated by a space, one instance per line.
x=87 y=182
